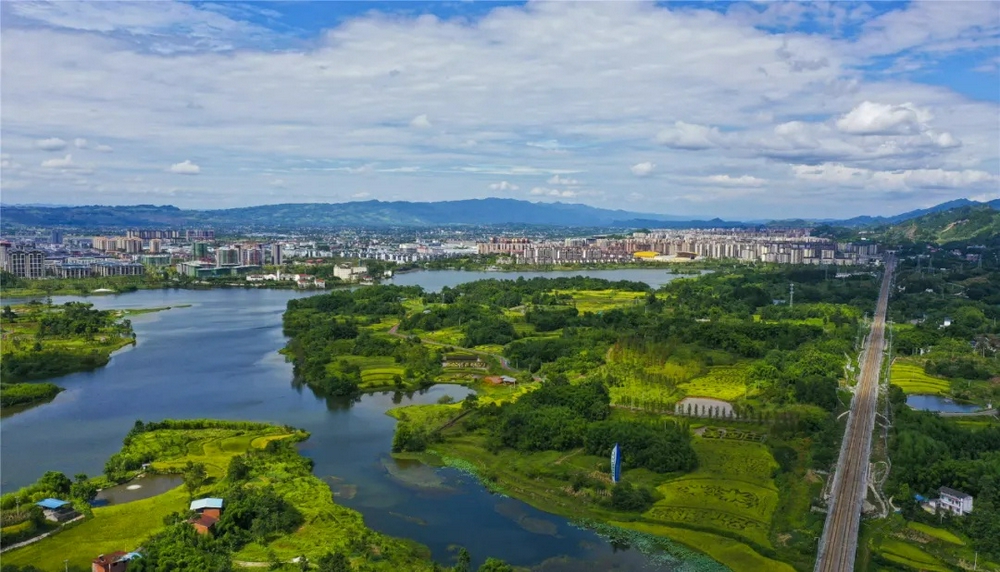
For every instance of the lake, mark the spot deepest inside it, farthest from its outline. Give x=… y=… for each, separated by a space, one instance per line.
x=218 y=359
x=939 y=404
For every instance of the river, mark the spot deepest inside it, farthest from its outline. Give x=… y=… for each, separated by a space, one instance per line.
x=218 y=359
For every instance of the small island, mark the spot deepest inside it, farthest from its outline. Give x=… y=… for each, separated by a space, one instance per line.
x=41 y=341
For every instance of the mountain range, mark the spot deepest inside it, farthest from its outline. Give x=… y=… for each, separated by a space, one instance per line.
x=490 y=211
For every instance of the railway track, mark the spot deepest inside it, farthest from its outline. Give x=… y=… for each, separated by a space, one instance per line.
x=839 y=544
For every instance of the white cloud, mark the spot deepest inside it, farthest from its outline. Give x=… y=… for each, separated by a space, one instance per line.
x=64 y=163
x=902 y=179
x=555 y=193
x=420 y=122
x=185 y=167
x=80 y=143
x=653 y=85
x=103 y=148
x=51 y=144
x=870 y=118
x=643 y=169
x=741 y=181
x=503 y=186
x=689 y=136
x=361 y=195
x=557 y=180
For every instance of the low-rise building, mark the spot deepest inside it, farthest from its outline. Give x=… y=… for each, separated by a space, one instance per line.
x=57 y=510
x=956 y=502
x=114 y=562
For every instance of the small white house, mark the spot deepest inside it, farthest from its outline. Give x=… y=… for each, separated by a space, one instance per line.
x=954 y=501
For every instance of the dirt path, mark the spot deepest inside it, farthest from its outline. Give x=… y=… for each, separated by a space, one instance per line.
x=394 y=331
x=567 y=456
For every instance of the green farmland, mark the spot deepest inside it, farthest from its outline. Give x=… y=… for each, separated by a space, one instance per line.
x=911 y=378
x=732 y=491
x=727 y=383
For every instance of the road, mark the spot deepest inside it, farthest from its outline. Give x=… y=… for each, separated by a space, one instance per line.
x=839 y=544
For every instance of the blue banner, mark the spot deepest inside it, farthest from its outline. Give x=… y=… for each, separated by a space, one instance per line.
x=616 y=463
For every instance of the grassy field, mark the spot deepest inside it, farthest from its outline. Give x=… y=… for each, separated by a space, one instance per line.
x=910 y=377
x=375 y=371
x=727 y=383
x=909 y=555
x=125 y=526
x=732 y=491
x=734 y=554
x=119 y=527
x=938 y=533
x=600 y=300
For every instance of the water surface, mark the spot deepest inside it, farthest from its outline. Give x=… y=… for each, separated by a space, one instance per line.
x=939 y=404
x=218 y=359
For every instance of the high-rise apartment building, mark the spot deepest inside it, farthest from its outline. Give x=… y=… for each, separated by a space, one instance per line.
x=155 y=245
x=133 y=245
x=26 y=263
x=56 y=237
x=276 y=257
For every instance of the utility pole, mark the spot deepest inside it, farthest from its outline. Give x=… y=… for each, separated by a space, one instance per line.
x=791 y=295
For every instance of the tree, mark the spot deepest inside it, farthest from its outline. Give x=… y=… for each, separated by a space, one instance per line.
x=334 y=562
x=495 y=565
x=464 y=562
x=194 y=477
x=83 y=489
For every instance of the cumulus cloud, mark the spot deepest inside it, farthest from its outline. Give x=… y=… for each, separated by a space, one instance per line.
x=643 y=169
x=64 y=163
x=741 y=181
x=420 y=122
x=901 y=179
x=104 y=148
x=80 y=143
x=689 y=136
x=557 y=180
x=51 y=144
x=185 y=168
x=870 y=118
x=775 y=98
x=503 y=186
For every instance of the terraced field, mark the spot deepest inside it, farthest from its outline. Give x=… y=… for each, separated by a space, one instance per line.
x=911 y=556
x=375 y=371
x=938 y=533
x=910 y=377
x=732 y=491
x=727 y=382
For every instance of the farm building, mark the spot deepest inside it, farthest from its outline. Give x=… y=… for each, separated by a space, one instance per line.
x=57 y=510
x=114 y=562
x=209 y=511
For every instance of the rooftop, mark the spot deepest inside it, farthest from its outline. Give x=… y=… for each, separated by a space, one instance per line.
x=51 y=503
x=954 y=493
x=202 y=504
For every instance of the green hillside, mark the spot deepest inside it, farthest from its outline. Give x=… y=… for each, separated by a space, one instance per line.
x=962 y=224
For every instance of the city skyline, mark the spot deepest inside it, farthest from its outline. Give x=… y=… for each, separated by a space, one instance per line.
x=733 y=110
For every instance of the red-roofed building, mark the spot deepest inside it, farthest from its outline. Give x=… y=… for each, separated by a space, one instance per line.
x=204 y=523
x=114 y=562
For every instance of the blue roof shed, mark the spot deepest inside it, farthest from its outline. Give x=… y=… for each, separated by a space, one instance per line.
x=52 y=504
x=202 y=504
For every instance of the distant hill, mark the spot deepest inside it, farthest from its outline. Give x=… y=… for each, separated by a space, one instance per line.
x=491 y=211
x=980 y=222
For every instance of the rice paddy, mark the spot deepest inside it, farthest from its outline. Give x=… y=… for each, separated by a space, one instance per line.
x=600 y=300
x=732 y=491
x=908 y=555
x=910 y=377
x=937 y=533
x=728 y=383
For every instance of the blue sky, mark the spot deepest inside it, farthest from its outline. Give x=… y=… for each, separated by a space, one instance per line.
x=739 y=110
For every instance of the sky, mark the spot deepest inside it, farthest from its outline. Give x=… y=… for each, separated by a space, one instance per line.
x=731 y=109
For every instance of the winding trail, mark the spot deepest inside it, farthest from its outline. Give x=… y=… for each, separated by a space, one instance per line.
x=504 y=363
